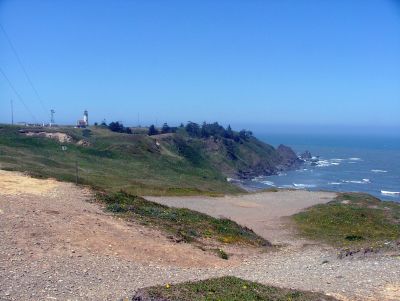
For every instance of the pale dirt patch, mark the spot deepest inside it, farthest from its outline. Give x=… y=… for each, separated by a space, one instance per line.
x=16 y=183
x=83 y=142
x=247 y=205
x=60 y=137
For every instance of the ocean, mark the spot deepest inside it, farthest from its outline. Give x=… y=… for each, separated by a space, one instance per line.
x=368 y=164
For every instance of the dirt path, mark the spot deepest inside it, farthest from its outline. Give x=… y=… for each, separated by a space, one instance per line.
x=55 y=245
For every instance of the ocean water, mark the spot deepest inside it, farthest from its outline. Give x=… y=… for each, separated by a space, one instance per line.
x=346 y=163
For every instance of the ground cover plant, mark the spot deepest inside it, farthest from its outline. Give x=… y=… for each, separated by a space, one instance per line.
x=184 y=224
x=225 y=289
x=352 y=219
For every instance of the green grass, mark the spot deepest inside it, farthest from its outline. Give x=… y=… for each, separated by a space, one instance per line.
x=171 y=164
x=185 y=224
x=112 y=162
x=352 y=219
x=225 y=289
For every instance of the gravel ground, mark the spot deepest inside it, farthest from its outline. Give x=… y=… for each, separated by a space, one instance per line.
x=54 y=245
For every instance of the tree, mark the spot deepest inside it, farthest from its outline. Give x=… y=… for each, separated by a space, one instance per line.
x=119 y=128
x=152 y=130
x=204 y=131
x=165 y=128
x=193 y=129
x=243 y=134
x=229 y=133
x=116 y=127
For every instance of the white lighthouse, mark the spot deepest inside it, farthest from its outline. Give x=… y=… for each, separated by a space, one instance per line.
x=86 y=118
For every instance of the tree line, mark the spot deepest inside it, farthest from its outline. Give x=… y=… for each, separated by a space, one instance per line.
x=115 y=126
x=206 y=130
x=193 y=129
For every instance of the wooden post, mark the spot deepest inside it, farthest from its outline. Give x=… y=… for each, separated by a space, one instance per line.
x=76 y=171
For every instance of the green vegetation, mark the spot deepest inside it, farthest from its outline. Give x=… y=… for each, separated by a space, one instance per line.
x=225 y=289
x=165 y=164
x=119 y=128
x=111 y=161
x=221 y=253
x=184 y=224
x=352 y=219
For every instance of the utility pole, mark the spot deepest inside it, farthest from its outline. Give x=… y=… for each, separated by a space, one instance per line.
x=12 y=112
x=52 y=117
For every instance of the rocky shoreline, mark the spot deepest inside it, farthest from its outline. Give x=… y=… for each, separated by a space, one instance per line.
x=288 y=160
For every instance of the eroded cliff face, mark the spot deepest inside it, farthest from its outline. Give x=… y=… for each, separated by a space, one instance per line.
x=247 y=158
x=289 y=159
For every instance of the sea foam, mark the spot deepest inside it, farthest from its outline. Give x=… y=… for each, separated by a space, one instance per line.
x=378 y=170
x=269 y=183
x=329 y=162
x=363 y=181
x=304 y=185
x=385 y=192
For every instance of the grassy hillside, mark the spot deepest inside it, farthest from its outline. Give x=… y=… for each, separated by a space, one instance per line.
x=352 y=219
x=173 y=163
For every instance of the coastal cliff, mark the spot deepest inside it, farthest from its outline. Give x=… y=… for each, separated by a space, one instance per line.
x=235 y=156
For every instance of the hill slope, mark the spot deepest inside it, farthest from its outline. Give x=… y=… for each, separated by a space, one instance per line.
x=173 y=163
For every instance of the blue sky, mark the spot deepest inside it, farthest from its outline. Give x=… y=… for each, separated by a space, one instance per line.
x=255 y=64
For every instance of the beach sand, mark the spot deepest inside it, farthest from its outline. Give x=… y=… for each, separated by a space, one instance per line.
x=266 y=212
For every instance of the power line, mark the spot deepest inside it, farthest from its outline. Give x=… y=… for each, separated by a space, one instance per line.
x=23 y=69
x=18 y=95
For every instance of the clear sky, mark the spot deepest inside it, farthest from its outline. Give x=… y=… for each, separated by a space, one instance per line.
x=255 y=64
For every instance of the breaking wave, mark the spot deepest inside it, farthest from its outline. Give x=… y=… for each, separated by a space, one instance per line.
x=363 y=181
x=304 y=185
x=269 y=183
x=392 y=193
x=378 y=170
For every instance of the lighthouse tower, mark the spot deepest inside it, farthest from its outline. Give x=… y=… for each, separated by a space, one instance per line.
x=86 y=117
